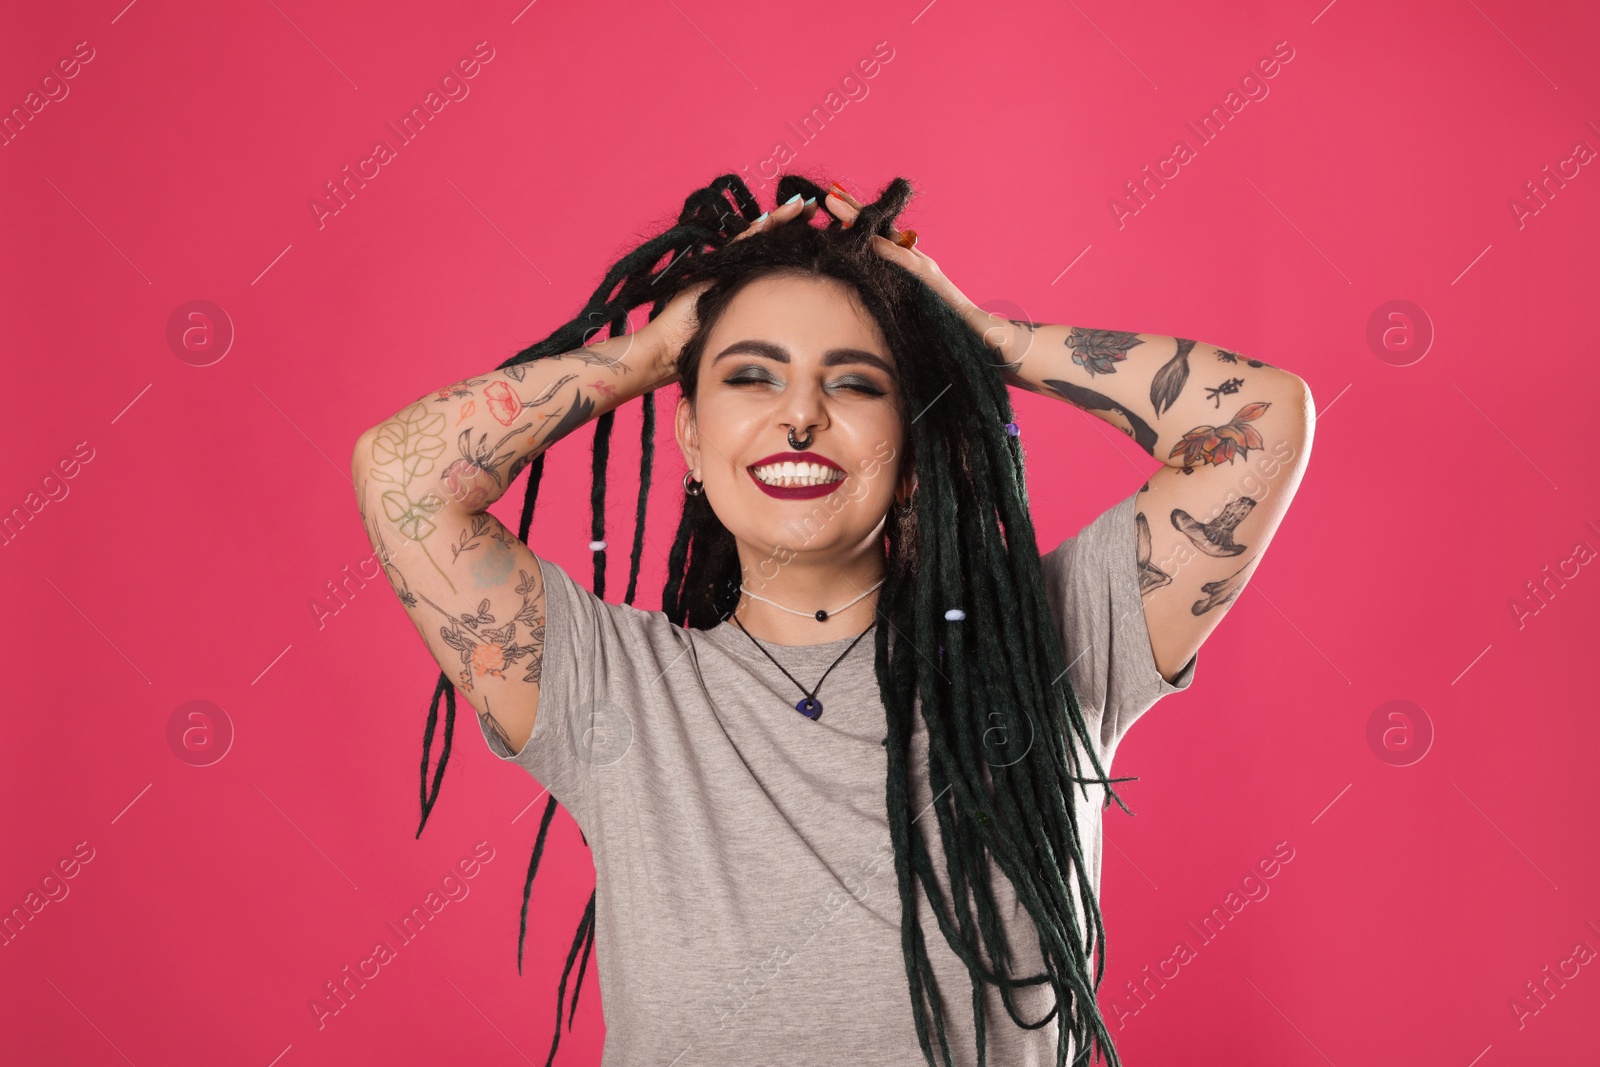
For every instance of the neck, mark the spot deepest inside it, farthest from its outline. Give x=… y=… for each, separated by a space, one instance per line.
x=810 y=585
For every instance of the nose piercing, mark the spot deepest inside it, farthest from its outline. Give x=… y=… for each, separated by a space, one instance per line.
x=799 y=446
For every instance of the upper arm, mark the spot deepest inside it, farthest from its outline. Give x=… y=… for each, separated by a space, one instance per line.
x=473 y=590
x=1202 y=528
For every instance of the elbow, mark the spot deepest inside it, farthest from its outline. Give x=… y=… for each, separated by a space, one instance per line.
x=1302 y=425
x=1305 y=407
x=361 y=454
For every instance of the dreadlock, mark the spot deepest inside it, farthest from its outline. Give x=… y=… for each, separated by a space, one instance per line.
x=966 y=538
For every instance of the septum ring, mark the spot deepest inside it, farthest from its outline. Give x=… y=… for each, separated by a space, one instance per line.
x=799 y=446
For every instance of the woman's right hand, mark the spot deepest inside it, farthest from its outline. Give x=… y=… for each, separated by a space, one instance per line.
x=666 y=334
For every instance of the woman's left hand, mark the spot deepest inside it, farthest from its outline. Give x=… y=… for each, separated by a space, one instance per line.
x=993 y=328
x=845 y=208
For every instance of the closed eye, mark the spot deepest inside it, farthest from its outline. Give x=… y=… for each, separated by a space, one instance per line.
x=752 y=376
x=863 y=387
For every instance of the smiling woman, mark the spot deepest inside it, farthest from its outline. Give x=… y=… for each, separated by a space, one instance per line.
x=799 y=359
x=743 y=758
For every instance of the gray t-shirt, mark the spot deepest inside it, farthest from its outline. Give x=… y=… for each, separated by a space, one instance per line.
x=747 y=910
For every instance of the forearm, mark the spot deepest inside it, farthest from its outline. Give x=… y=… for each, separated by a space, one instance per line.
x=1171 y=395
x=462 y=446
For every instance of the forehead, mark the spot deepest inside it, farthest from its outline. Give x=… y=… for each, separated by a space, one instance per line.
x=807 y=315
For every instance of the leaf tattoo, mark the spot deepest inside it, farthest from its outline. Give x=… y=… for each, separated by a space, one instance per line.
x=1219 y=444
x=457 y=390
x=576 y=415
x=1099 y=351
x=469 y=539
x=598 y=359
x=479 y=458
x=403 y=451
x=397 y=579
x=489 y=650
x=1169 y=380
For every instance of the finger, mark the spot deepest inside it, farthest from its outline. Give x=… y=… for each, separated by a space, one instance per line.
x=785 y=212
x=845 y=208
x=755 y=225
x=897 y=252
x=841 y=194
x=916 y=247
x=842 y=209
x=766 y=220
x=845 y=205
x=888 y=248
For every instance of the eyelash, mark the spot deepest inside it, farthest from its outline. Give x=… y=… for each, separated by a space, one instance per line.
x=860 y=386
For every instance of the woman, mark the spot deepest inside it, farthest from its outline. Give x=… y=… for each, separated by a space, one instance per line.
x=811 y=848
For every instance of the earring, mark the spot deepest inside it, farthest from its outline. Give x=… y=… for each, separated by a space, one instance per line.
x=699 y=486
x=911 y=494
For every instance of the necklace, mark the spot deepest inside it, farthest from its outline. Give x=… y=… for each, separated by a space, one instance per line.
x=819 y=614
x=808 y=705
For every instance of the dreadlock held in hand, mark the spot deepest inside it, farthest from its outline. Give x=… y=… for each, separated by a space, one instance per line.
x=966 y=539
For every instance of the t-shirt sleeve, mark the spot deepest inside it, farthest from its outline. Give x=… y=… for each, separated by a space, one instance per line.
x=1092 y=583
x=588 y=643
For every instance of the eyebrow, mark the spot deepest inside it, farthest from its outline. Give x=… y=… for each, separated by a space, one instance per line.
x=832 y=358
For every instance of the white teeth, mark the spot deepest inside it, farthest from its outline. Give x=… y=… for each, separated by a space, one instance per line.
x=795 y=474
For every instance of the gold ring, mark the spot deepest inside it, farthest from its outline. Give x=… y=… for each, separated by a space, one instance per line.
x=907 y=239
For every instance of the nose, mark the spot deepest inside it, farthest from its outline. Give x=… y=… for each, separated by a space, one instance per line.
x=805 y=411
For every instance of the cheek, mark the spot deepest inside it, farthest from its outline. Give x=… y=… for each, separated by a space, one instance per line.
x=875 y=478
x=728 y=430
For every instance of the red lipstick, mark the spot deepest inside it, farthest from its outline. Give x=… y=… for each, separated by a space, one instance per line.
x=796 y=492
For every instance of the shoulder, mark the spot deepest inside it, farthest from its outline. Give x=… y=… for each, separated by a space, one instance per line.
x=598 y=628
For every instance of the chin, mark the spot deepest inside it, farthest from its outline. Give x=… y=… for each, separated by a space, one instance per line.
x=782 y=530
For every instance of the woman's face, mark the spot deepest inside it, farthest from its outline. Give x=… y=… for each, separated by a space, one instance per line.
x=801 y=352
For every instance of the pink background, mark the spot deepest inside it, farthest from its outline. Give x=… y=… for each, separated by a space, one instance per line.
x=184 y=562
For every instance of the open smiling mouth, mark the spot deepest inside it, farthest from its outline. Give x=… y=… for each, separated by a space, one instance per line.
x=796 y=475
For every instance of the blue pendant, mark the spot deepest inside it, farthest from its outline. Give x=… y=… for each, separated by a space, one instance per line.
x=810 y=707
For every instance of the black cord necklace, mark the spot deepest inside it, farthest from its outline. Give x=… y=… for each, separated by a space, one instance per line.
x=808 y=705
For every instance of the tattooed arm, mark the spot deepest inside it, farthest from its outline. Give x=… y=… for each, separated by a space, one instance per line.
x=1168 y=394
x=424 y=478
x=1235 y=435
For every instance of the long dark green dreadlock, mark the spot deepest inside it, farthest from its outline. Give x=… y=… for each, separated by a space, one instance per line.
x=967 y=539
